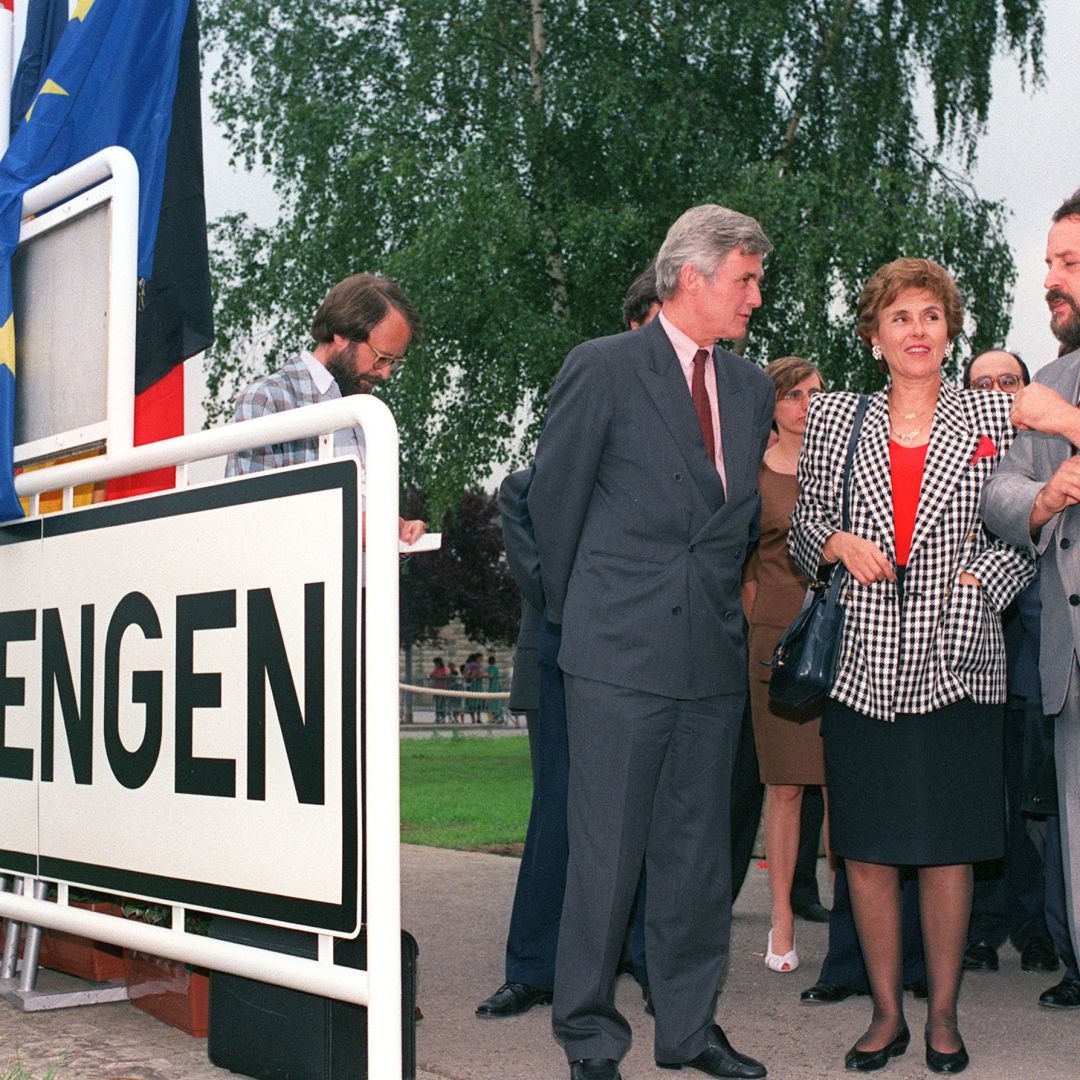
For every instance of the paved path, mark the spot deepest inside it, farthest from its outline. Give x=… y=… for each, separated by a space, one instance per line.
x=456 y=904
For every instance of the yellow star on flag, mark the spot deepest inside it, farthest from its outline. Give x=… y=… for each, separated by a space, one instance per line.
x=81 y=8
x=7 y=343
x=49 y=88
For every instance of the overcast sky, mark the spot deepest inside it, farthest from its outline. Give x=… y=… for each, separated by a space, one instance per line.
x=1029 y=159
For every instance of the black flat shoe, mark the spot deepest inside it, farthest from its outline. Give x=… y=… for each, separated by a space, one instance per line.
x=1066 y=995
x=823 y=993
x=871 y=1060
x=980 y=956
x=512 y=999
x=955 y=1062
x=1039 y=954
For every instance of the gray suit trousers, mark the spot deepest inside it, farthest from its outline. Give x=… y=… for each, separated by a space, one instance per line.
x=1067 y=759
x=650 y=777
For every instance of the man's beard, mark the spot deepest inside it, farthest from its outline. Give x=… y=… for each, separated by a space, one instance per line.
x=1067 y=330
x=342 y=365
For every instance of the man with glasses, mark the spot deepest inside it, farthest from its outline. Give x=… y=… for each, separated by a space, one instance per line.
x=362 y=331
x=996 y=369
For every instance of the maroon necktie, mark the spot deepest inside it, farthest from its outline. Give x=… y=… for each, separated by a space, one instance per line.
x=701 y=402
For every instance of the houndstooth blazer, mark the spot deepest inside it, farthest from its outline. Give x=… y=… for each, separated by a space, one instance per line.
x=290 y=387
x=945 y=643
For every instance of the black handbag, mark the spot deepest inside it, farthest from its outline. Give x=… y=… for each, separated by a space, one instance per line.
x=805 y=658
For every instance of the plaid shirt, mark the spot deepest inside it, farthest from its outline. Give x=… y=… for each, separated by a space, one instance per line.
x=945 y=642
x=290 y=387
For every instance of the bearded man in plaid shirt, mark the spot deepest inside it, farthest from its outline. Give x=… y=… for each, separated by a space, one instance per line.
x=362 y=331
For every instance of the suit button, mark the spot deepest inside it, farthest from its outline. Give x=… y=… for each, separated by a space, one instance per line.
x=678 y=478
x=738 y=555
x=729 y=615
x=1074 y=599
x=1065 y=541
x=691 y=549
x=676 y=610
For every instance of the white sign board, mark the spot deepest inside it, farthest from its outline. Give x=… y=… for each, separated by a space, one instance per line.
x=178 y=697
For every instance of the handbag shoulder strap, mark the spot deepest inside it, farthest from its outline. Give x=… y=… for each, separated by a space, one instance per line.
x=860 y=412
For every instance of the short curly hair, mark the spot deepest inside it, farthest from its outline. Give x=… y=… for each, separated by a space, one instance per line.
x=890 y=280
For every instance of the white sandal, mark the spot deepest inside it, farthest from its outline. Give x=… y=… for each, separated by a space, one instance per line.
x=784 y=964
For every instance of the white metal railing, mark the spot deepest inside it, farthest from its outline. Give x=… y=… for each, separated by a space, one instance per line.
x=380 y=986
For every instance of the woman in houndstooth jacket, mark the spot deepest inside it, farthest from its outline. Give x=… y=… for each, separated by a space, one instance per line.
x=913 y=725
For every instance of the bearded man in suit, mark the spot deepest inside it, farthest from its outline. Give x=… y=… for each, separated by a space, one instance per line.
x=642 y=502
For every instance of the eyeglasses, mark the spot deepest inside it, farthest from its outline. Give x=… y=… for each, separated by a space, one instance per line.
x=798 y=395
x=1006 y=382
x=385 y=359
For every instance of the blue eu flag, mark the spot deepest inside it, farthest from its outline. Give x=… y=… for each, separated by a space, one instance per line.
x=110 y=82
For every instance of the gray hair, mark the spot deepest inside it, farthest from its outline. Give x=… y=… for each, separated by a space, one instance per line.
x=703 y=237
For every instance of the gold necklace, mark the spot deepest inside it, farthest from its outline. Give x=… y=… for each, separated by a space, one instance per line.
x=907 y=437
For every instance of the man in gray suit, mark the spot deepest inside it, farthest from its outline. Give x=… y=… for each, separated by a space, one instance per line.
x=1032 y=502
x=642 y=501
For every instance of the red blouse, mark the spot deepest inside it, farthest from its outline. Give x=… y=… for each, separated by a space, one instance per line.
x=906 y=471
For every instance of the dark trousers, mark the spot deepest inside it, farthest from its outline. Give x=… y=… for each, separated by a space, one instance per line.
x=747 y=793
x=844 y=964
x=650 y=778
x=1057 y=920
x=533 y=937
x=1009 y=893
x=804 y=886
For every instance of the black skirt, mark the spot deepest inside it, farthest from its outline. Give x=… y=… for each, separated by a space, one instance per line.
x=925 y=790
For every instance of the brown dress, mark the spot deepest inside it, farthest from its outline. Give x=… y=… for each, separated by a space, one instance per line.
x=789 y=745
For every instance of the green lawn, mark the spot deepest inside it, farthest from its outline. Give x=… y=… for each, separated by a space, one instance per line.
x=465 y=792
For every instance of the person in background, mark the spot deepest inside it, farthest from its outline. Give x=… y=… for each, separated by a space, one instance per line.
x=1010 y=898
x=788 y=743
x=457 y=705
x=913 y=723
x=440 y=680
x=472 y=672
x=533 y=934
x=494 y=685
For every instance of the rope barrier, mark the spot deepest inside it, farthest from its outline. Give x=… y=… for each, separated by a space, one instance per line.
x=481 y=695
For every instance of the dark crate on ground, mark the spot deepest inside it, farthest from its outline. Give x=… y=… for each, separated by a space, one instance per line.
x=274 y=1033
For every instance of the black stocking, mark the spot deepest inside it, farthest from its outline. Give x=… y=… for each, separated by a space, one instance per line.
x=875 y=901
x=945 y=903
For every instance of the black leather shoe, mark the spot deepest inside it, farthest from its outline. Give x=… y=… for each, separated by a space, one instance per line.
x=512 y=999
x=814 y=912
x=646 y=993
x=720 y=1058
x=871 y=1060
x=955 y=1062
x=919 y=990
x=1066 y=995
x=823 y=993
x=980 y=956
x=1039 y=954
x=595 y=1069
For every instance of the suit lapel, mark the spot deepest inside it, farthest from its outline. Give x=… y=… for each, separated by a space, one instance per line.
x=952 y=446
x=665 y=383
x=871 y=480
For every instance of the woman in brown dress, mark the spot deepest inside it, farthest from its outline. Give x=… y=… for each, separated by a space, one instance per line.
x=788 y=743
